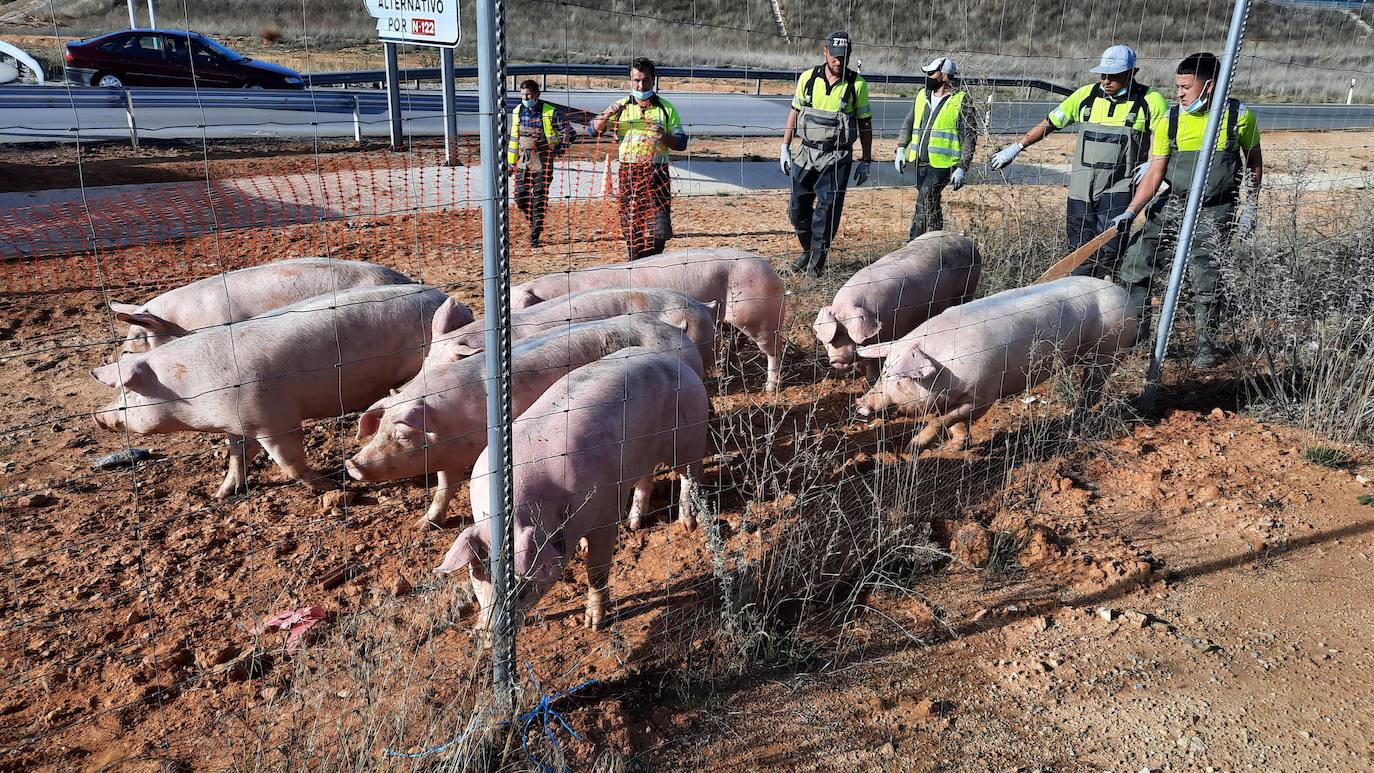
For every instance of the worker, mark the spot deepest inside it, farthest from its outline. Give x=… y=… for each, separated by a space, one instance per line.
x=830 y=104
x=1175 y=151
x=649 y=127
x=939 y=135
x=1118 y=114
x=540 y=132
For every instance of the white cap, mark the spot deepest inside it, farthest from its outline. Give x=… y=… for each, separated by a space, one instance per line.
x=1116 y=59
x=944 y=64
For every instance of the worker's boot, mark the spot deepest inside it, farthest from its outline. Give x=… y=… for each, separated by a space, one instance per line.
x=1209 y=353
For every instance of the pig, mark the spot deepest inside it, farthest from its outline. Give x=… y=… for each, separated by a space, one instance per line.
x=438 y=421
x=259 y=379
x=239 y=295
x=747 y=289
x=674 y=308
x=888 y=298
x=959 y=362
x=594 y=436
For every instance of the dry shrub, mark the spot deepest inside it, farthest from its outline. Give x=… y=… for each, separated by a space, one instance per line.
x=270 y=35
x=1300 y=292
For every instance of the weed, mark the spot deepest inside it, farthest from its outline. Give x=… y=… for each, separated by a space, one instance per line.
x=1366 y=499
x=1327 y=456
x=1006 y=545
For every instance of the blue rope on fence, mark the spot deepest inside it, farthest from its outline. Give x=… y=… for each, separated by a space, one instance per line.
x=542 y=711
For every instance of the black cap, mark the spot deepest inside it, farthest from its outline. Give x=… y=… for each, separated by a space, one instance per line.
x=837 y=43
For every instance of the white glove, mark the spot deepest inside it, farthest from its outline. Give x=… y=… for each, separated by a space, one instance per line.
x=861 y=172
x=1006 y=155
x=1246 y=224
x=785 y=159
x=1139 y=173
x=1122 y=222
x=899 y=160
x=957 y=180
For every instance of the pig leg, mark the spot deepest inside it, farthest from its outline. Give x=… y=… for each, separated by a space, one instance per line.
x=644 y=487
x=600 y=548
x=288 y=451
x=771 y=345
x=932 y=430
x=960 y=434
x=872 y=368
x=438 y=506
x=242 y=452
x=687 y=478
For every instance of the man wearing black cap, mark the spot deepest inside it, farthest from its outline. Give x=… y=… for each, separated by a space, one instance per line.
x=830 y=109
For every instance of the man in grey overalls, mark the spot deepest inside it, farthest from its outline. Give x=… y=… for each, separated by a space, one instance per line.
x=1177 y=145
x=830 y=102
x=1117 y=115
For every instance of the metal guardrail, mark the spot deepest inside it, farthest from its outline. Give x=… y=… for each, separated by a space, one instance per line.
x=319 y=101
x=617 y=71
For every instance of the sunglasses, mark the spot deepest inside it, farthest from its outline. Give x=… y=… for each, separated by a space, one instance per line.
x=1118 y=76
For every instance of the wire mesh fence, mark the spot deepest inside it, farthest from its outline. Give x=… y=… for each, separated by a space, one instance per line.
x=707 y=489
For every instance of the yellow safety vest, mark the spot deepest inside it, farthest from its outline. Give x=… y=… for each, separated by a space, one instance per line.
x=513 y=147
x=944 y=130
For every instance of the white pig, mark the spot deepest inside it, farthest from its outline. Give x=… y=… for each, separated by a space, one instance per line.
x=674 y=308
x=437 y=423
x=960 y=362
x=601 y=431
x=747 y=290
x=888 y=298
x=237 y=295
x=258 y=379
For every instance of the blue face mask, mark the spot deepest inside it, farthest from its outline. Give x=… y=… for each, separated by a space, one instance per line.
x=640 y=96
x=530 y=103
x=1197 y=105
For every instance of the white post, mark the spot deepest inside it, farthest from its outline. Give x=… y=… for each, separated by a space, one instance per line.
x=133 y=17
x=1350 y=95
x=129 y=113
x=357 y=121
x=152 y=17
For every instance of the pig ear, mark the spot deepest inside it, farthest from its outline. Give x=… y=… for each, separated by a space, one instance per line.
x=151 y=321
x=824 y=326
x=468 y=550
x=875 y=351
x=864 y=326
x=465 y=349
x=369 y=422
x=915 y=364
x=538 y=554
x=128 y=373
x=521 y=297
x=450 y=316
x=125 y=308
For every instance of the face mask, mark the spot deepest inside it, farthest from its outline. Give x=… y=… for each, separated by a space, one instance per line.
x=933 y=84
x=530 y=103
x=641 y=95
x=1197 y=105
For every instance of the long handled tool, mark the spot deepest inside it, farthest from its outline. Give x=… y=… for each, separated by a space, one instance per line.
x=1065 y=265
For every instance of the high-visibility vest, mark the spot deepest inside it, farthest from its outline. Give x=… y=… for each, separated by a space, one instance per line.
x=513 y=148
x=944 y=130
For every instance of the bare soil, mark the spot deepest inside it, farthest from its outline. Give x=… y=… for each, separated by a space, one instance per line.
x=1234 y=573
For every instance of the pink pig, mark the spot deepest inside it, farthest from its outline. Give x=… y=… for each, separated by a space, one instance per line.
x=597 y=434
x=960 y=362
x=437 y=423
x=259 y=379
x=747 y=290
x=888 y=298
x=675 y=308
x=238 y=295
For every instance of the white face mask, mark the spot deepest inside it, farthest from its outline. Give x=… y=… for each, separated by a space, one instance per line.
x=1199 y=104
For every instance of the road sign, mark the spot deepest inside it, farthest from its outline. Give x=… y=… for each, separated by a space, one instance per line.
x=422 y=22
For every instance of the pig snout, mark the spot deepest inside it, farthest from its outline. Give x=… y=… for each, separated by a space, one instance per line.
x=110 y=418
x=842 y=357
x=871 y=403
x=354 y=471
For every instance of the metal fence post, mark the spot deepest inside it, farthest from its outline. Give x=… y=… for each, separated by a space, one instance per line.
x=393 y=94
x=357 y=121
x=491 y=61
x=1185 y=235
x=129 y=112
x=1350 y=95
x=450 y=107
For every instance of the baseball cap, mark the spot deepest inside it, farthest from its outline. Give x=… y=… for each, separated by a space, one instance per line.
x=1114 y=60
x=837 y=43
x=944 y=64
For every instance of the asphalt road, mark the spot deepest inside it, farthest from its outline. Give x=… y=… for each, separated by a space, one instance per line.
x=66 y=115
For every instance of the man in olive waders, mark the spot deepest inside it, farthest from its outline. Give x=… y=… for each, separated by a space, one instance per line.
x=540 y=132
x=1175 y=152
x=829 y=110
x=1117 y=116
